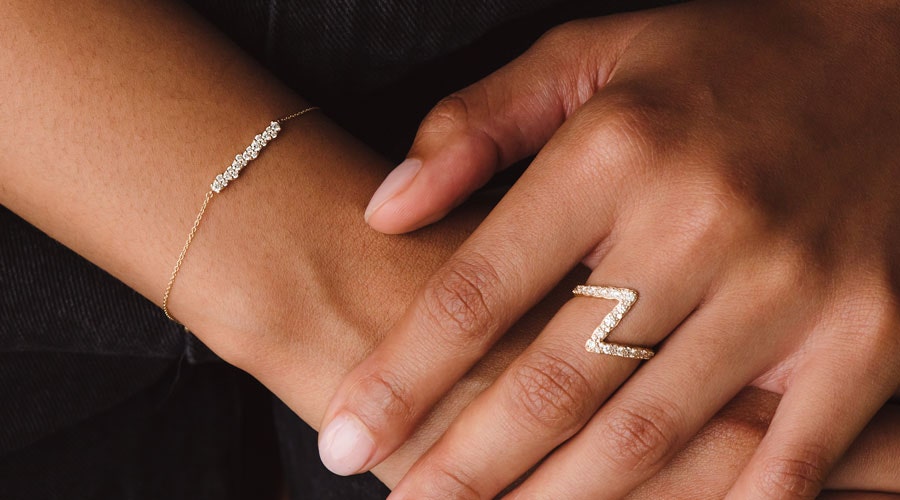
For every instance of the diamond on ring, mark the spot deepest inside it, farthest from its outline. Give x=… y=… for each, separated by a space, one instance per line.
x=625 y=297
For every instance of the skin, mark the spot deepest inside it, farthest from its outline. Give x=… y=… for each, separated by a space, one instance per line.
x=713 y=459
x=734 y=162
x=265 y=282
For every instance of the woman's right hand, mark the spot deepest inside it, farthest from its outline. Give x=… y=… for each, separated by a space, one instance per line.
x=266 y=282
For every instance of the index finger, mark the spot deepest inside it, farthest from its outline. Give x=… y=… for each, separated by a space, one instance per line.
x=470 y=301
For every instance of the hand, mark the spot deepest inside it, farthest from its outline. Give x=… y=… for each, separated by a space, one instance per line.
x=300 y=340
x=711 y=461
x=733 y=162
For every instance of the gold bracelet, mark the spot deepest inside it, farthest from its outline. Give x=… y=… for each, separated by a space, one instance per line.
x=221 y=182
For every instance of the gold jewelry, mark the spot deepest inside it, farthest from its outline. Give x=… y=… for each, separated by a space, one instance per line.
x=626 y=297
x=220 y=182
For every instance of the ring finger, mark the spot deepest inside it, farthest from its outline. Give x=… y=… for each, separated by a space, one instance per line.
x=548 y=394
x=638 y=431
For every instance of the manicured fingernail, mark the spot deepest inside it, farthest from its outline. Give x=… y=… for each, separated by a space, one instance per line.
x=346 y=445
x=395 y=182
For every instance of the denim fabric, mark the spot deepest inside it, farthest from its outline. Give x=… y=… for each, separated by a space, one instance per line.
x=354 y=46
x=100 y=395
x=197 y=432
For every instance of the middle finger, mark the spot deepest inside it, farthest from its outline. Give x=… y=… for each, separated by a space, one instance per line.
x=549 y=393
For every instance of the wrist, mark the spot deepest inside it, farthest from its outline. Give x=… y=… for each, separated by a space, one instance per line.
x=277 y=256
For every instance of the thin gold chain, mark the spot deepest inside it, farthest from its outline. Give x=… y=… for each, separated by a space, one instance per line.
x=196 y=226
x=297 y=114
x=187 y=244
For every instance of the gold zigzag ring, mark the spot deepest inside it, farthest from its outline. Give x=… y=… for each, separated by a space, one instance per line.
x=626 y=297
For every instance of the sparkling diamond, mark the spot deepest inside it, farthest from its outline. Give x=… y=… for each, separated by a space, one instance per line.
x=625 y=298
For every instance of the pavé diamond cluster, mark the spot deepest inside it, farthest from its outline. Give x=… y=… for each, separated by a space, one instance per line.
x=240 y=161
x=597 y=343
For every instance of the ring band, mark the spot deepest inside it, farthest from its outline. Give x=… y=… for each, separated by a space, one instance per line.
x=625 y=297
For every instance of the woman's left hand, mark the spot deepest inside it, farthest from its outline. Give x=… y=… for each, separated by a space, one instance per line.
x=735 y=163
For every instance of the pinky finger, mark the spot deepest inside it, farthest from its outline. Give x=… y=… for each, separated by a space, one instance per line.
x=823 y=410
x=871 y=464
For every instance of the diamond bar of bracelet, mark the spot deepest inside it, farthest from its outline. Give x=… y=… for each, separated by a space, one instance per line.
x=259 y=142
x=220 y=182
x=240 y=161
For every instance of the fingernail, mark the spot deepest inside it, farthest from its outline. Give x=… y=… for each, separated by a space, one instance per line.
x=346 y=445
x=395 y=182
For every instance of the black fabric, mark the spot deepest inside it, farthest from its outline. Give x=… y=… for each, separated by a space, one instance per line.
x=60 y=313
x=74 y=385
x=353 y=46
x=198 y=432
x=100 y=395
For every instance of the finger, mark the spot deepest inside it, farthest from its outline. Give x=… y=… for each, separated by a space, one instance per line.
x=831 y=397
x=556 y=385
x=872 y=461
x=710 y=462
x=495 y=122
x=487 y=284
x=659 y=409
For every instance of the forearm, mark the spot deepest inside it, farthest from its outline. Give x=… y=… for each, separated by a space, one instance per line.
x=117 y=117
x=118 y=114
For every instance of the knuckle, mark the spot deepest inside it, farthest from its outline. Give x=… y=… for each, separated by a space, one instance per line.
x=550 y=392
x=380 y=398
x=449 y=113
x=886 y=318
x=711 y=210
x=793 y=478
x=872 y=311
x=699 y=219
x=640 y=435
x=446 y=481
x=456 y=301
x=868 y=320
x=562 y=37
x=781 y=271
x=624 y=126
x=791 y=271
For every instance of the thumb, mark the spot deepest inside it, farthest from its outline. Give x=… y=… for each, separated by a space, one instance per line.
x=489 y=125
